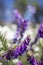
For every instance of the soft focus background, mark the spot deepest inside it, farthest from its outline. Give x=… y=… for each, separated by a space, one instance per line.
x=7 y=6
x=31 y=10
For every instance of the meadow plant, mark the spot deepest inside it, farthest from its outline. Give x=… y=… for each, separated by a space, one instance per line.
x=23 y=48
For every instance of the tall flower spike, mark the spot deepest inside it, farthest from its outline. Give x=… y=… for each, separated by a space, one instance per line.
x=22 y=48
x=19 y=50
x=40 y=31
x=20 y=30
x=21 y=23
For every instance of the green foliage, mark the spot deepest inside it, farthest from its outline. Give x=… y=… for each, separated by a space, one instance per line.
x=4 y=41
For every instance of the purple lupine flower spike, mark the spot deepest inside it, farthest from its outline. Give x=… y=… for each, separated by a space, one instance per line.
x=21 y=23
x=32 y=60
x=40 y=31
x=19 y=50
x=19 y=63
x=20 y=30
x=39 y=34
x=22 y=48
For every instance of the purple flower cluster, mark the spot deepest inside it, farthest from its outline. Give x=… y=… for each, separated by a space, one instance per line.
x=21 y=23
x=40 y=31
x=32 y=60
x=19 y=50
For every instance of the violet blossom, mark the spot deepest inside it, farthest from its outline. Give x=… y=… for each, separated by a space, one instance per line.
x=18 y=51
x=21 y=25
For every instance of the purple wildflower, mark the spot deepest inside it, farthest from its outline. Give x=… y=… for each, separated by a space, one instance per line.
x=40 y=31
x=19 y=50
x=22 y=48
x=21 y=23
x=32 y=60
x=21 y=28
